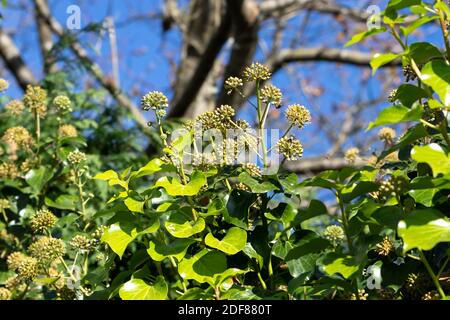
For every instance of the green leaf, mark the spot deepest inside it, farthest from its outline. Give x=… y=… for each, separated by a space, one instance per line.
x=134 y=205
x=424 y=196
x=37 y=178
x=395 y=5
x=379 y=60
x=112 y=178
x=159 y=251
x=174 y=188
x=64 y=202
x=290 y=184
x=434 y=156
x=424 y=229
x=117 y=239
x=238 y=205
x=387 y=216
x=150 y=168
x=138 y=289
x=181 y=224
x=315 y=208
x=396 y=114
x=361 y=36
x=254 y=185
x=315 y=245
x=436 y=74
x=358 y=189
x=107 y=175
x=233 y=242
x=347 y=266
x=122 y=232
x=203 y=266
x=416 y=24
x=422 y=52
x=407 y=94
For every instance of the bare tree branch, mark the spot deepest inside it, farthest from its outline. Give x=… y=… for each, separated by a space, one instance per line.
x=14 y=62
x=315 y=165
x=269 y=7
x=45 y=41
x=94 y=69
x=204 y=66
x=352 y=57
x=245 y=34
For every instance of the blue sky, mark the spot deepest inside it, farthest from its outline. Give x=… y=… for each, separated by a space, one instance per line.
x=144 y=65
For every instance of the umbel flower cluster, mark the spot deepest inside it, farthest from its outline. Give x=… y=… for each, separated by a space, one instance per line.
x=229 y=150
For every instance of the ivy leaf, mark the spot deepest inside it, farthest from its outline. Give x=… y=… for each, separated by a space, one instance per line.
x=117 y=239
x=152 y=167
x=134 y=205
x=64 y=202
x=233 y=242
x=396 y=114
x=120 y=234
x=424 y=196
x=203 y=266
x=395 y=5
x=313 y=246
x=238 y=205
x=347 y=266
x=361 y=36
x=37 y=178
x=182 y=225
x=434 y=156
x=107 y=175
x=379 y=60
x=358 y=189
x=422 y=52
x=174 y=188
x=159 y=251
x=436 y=74
x=138 y=289
x=424 y=229
x=112 y=178
x=254 y=185
x=416 y=24
x=290 y=184
x=407 y=94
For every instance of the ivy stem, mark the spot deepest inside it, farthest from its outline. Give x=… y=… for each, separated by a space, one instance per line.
x=444 y=31
x=344 y=221
x=443 y=131
x=80 y=193
x=262 y=281
x=432 y=275
x=175 y=267
x=37 y=121
x=443 y=267
x=261 y=123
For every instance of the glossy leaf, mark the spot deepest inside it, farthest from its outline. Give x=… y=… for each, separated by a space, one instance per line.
x=347 y=266
x=424 y=229
x=233 y=242
x=175 y=188
x=254 y=185
x=159 y=251
x=138 y=289
x=381 y=59
x=396 y=114
x=181 y=225
x=434 y=156
x=203 y=266
x=436 y=74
